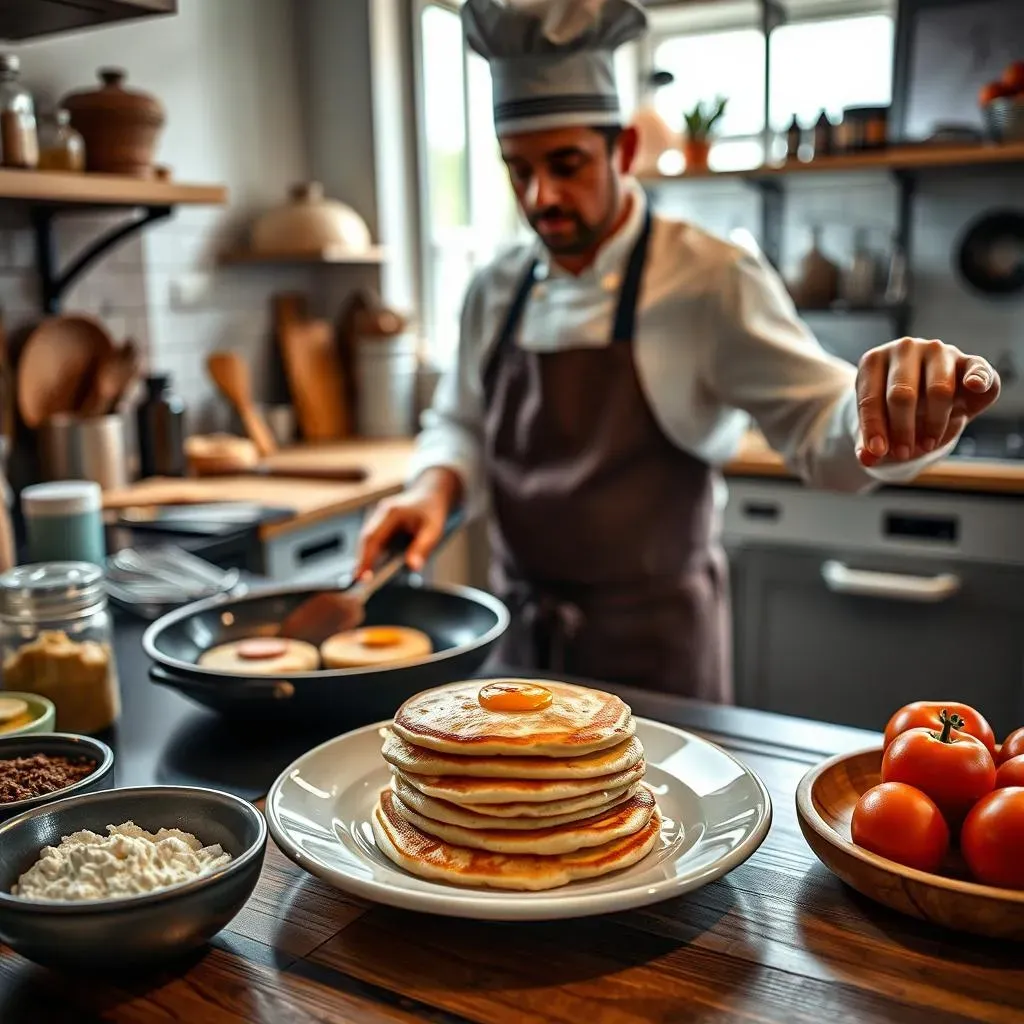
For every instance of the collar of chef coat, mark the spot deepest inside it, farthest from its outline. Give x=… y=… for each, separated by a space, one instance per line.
x=610 y=263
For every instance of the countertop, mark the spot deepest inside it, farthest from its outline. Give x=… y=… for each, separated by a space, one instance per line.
x=385 y=463
x=992 y=476
x=778 y=941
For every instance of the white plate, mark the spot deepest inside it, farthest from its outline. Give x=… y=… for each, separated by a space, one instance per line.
x=717 y=813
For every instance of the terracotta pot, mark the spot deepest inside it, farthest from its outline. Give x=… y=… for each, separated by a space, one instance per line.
x=695 y=153
x=121 y=127
x=309 y=223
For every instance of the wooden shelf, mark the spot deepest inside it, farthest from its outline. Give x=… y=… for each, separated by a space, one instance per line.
x=903 y=158
x=62 y=188
x=332 y=256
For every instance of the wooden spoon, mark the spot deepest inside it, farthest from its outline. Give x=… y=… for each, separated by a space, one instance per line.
x=116 y=371
x=231 y=375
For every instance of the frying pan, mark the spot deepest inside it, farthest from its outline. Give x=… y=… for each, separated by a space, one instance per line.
x=464 y=624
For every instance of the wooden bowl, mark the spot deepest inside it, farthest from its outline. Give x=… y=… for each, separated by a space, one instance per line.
x=825 y=800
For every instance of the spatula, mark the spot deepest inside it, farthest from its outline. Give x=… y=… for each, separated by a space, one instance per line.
x=336 y=611
x=231 y=375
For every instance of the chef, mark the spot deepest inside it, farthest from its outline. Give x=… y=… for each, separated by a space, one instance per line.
x=608 y=368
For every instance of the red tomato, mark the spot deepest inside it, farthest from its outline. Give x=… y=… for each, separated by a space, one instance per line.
x=953 y=768
x=925 y=714
x=1013 y=78
x=1013 y=746
x=992 y=91
x=901 y=823
x=993 y=838
x=1010 y=773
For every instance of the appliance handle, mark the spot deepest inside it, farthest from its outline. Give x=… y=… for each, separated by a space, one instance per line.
x=841 y=579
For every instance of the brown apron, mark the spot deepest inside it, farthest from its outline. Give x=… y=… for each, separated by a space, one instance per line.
x=602 y=528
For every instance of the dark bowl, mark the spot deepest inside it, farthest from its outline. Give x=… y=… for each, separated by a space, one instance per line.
x=134 y=931
x=58 y=744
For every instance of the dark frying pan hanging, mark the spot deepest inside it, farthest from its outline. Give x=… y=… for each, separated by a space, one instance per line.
x=990 y=256
x=464 y=625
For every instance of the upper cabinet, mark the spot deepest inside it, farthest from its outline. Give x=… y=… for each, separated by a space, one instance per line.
x=28 y=19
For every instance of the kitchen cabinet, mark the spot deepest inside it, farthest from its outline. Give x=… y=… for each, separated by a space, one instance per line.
x=27 y=19
x=819 y=633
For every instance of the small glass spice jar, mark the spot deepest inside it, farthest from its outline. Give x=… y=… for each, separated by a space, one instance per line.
x=19 y=136
x=56 y=640
x=61 y=148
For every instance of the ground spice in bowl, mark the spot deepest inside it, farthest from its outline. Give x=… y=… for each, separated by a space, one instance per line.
x=22 y=778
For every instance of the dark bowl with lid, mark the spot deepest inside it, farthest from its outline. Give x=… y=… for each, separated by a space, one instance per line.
x=58 y=744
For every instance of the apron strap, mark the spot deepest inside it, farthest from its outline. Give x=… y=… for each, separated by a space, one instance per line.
x=624 y=326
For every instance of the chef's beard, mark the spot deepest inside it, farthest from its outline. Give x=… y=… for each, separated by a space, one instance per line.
x=586 y=237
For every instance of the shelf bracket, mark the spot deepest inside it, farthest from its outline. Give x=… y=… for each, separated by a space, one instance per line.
x=54 y=283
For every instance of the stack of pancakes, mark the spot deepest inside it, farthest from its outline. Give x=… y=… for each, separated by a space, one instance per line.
x=515 y=785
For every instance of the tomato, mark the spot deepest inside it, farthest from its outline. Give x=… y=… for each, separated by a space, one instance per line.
x=952 y=767
x=899 y=822
x=992 y=91
x=1010 y=773
x=1013 y=746
x=1013 y=78
x=993 y=838
x=925 y=713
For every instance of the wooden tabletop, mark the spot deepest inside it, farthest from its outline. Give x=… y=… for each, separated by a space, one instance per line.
x=778 y=940
x=985 y=476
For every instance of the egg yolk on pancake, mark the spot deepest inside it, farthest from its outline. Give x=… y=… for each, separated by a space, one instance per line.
x=514 y=696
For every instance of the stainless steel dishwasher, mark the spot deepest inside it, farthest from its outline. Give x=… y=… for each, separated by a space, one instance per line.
x=847 y=607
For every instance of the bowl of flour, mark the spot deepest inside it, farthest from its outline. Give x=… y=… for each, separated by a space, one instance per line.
x=127 y=878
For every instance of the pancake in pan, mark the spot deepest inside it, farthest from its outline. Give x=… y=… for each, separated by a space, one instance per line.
x=514 y=716
x=624 y=820
x=430 y=858
x=463 y=790
x=510 y=816
x=421 y=761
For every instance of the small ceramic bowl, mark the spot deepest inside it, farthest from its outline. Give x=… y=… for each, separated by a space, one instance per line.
x=130 y=932
x=58 y=744
x=41 y=714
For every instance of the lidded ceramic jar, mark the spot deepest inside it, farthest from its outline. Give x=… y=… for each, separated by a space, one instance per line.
x=121 y=127
x=309 y=223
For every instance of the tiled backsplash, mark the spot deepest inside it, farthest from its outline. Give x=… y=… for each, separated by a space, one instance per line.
x=944 y=306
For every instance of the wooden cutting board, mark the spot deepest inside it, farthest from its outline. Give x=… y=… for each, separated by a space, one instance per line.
x=313 y=367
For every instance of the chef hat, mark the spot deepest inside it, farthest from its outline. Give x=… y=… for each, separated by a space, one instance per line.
x=552 y=61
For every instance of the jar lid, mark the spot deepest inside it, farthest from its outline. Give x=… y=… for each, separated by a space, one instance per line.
x=51 y=590
x=62 y=498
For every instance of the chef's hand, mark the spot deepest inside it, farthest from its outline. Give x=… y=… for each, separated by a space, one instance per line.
x=420 y=511
x=915 y=396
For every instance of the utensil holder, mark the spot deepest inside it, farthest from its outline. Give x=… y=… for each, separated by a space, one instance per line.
x=386 y=372
x=71 y=448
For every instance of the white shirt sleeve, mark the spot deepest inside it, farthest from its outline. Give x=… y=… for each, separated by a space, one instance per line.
x=766 y=362
x=453 y=428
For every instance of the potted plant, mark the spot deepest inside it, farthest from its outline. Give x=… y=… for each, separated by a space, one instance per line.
x=700 y=123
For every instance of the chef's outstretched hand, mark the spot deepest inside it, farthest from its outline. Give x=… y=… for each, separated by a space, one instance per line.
x=914 y=396
x=420 y=511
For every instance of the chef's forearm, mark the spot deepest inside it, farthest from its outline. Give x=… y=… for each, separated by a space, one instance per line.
x=443 y=482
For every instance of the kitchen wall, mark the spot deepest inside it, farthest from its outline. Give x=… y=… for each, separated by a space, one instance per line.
x=944 y=307
x=228 y=73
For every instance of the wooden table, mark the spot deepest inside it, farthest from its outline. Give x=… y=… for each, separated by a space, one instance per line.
x=778 y=940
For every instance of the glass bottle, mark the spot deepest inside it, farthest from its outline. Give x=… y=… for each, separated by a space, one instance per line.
x=794 y=136
x=823 y=142
x=56 y=641
x=61 y=148
x=160 y=418
x=18 y=134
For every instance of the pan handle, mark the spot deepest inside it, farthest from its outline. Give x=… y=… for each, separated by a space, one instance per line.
x=241 y=688
x=394 y=567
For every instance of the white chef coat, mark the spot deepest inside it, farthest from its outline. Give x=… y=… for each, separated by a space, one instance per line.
x=718 y=343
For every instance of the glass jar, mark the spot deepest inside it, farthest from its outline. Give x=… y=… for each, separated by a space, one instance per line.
x=19 y=141
x=61 y=148
x=56 y=640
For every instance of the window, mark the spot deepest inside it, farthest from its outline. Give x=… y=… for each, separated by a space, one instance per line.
x=467 y=208
x=815 y=64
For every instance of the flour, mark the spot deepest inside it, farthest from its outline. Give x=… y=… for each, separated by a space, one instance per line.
x=128 y=862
